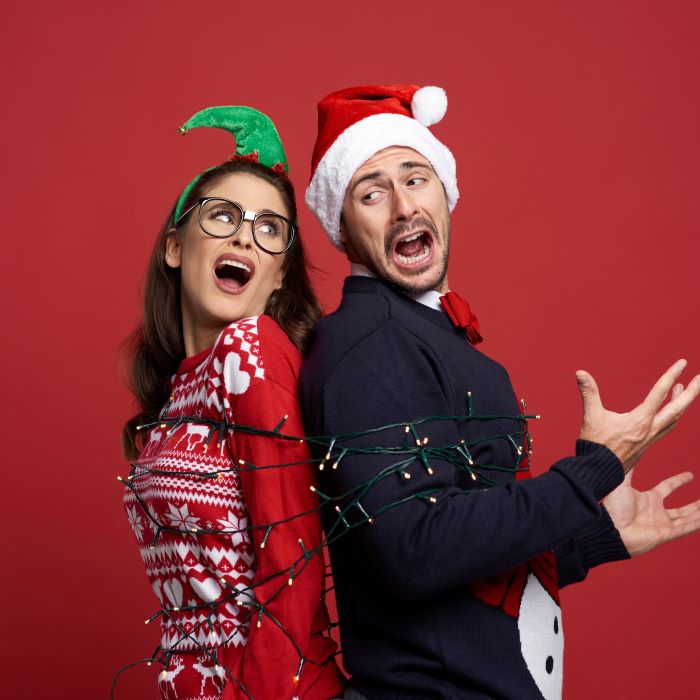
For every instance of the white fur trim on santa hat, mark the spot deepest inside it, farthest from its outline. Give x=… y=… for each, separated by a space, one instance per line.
x=358 y=143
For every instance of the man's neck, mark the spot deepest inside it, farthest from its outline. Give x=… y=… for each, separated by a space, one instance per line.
x=430 y=298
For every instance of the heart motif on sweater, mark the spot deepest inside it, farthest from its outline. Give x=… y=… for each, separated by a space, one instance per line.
x=237 y=379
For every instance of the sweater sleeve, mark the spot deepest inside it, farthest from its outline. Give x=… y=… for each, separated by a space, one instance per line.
x=282 y=511
x=595 y=544
x=421 y=548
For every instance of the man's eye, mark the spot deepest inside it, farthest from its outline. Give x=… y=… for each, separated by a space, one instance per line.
x=370 y=196
x=417 y=180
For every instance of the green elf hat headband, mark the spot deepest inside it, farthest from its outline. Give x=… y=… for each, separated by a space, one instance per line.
x=255 y=134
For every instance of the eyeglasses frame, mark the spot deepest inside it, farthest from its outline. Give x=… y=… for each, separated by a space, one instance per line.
x=246 y=215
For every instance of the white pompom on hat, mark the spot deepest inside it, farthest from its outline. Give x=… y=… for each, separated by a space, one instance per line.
x=355 y=123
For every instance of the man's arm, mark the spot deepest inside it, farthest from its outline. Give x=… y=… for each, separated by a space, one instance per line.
x=422 y=548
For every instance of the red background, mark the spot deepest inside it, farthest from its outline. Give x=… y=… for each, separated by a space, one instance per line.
x=575 y=127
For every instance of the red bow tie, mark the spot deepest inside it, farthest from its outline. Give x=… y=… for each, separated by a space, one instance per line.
x=461 y=316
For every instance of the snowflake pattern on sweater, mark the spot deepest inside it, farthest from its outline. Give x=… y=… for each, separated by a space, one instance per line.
x=198 y=570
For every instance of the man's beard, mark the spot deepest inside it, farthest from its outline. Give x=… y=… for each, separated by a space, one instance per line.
x=401 y=229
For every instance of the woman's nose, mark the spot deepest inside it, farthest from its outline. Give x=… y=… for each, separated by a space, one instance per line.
x=244 y=235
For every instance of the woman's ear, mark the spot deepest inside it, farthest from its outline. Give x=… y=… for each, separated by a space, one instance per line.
x=173 y=249
x=280 y=277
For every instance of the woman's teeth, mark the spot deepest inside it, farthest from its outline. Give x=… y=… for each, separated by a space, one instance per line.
x=233 y=263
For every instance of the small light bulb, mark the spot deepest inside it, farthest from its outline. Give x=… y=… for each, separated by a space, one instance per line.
x=432 y=499
x=406 y=475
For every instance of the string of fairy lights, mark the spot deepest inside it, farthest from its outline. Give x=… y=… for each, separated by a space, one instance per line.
x=414 y=451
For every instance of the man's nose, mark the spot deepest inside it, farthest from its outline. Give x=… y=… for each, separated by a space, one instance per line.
x=404 y=206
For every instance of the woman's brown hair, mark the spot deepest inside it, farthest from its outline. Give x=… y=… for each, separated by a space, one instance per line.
x=156 y=347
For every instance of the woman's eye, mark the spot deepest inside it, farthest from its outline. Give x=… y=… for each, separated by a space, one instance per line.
x=224 y=216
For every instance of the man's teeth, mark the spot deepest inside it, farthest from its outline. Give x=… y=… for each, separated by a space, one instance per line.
x=233 y=263
x=415 y=258
x=412 y=238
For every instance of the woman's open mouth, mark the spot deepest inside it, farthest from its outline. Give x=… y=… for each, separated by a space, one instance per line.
x=232 y=273
x=413 y=250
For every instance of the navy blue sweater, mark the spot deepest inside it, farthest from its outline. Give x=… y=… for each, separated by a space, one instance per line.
x=419 y=615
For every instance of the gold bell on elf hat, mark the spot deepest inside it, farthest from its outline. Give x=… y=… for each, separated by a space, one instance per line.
x=357 y=122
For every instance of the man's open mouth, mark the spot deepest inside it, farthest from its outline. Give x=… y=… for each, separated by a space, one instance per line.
x=233 y=274
x=413 y=249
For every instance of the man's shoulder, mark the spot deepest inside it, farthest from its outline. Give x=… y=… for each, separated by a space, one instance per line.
x=364 y=323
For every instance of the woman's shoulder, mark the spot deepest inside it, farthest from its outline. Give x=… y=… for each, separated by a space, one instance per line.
x=257 y=349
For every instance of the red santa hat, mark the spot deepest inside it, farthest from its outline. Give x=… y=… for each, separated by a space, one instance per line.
x=356 y=123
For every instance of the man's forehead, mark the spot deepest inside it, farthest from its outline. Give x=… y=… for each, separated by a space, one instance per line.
x=393 y=156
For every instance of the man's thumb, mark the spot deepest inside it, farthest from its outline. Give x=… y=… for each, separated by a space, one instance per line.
x=589 y=391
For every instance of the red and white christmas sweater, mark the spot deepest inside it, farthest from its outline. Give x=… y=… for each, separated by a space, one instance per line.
x=248 y=377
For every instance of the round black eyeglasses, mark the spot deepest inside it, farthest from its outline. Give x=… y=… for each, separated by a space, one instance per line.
x=221 y=218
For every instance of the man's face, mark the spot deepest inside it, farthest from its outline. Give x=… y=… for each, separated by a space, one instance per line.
x=395 y=220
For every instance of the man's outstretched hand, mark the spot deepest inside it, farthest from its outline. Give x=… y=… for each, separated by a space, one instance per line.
x=642 y=519
x=629 y=434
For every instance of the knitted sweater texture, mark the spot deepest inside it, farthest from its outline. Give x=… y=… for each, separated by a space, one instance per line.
x=248 y=377
x=457 y=598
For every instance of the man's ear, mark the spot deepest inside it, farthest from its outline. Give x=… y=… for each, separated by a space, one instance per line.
x=173 y=249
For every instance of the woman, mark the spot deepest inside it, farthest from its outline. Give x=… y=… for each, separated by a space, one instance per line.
x=231 y=548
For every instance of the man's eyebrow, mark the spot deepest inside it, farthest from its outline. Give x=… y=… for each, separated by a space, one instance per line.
x=410 y=164
x=369 y=176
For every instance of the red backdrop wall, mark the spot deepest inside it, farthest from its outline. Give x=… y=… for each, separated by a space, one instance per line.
x=575 y=127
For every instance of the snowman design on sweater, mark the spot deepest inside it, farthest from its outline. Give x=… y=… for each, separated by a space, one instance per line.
x=530 y=594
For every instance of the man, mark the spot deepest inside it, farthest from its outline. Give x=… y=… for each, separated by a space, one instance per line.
x=447 y=559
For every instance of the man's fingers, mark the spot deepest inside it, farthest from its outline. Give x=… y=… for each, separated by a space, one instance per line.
x=674 y=409
x=666 y=487
x=691 y=509
x=660 y=390
x=676 y=391
x=590 y=396
x=683 y=527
